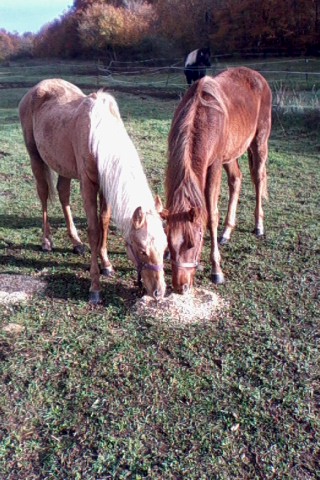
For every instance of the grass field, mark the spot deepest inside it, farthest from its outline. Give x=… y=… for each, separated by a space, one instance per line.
x=101 y=393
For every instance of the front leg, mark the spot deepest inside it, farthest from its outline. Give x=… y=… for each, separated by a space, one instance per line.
x=213 y=184
x=89 y=192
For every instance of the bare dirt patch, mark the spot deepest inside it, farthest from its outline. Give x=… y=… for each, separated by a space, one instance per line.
x=197 y=306
x=19 y=288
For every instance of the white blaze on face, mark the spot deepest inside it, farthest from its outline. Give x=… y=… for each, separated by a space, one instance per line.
x=191 y=58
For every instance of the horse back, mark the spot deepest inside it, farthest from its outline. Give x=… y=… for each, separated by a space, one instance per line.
x=246 y=95
x=242 y=99
x=48 y=114
x=47 y=93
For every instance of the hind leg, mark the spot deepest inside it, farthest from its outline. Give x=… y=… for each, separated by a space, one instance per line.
x=258 y=154
x=89 y=192
x=105 y=215
x=234 y=181
x=40 y=172
x=63 y=188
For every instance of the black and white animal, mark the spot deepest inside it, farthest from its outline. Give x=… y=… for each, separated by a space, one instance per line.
x=196 y=63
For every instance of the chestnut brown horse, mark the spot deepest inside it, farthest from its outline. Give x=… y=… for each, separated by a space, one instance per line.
x=217 y=120
x=83 y=137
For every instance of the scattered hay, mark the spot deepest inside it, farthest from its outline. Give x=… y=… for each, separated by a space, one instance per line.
x=12 y=298
x=13 y=328
x=19 y=288
x=197 y=306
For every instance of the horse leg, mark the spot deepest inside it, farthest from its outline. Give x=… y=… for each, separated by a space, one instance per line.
x=89 y=192
x=189 y=75
x=44 y=185
x=63 y=188
x=258 y=154
x=105 y=215
x=234 y=181
x=213 y=184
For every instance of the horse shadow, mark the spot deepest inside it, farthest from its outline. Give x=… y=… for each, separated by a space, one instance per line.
x=18 y=222
x=66 y=275
x=67 y=286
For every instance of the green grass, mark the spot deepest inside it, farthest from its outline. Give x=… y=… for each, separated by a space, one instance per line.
x=98 y=393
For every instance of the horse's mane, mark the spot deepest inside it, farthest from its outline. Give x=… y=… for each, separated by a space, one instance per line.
x=122 y=178
x=183 y=189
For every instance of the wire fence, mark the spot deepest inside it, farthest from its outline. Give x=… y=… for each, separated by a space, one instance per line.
x=143 y=67
x=295 y=82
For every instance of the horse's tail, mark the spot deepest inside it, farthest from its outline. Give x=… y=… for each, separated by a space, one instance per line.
x=262 y=174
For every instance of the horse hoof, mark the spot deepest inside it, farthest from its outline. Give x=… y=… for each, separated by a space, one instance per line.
x=79 y=249
x=95 y=298
x=217 y=278
x=224 y=241
x=107 y=272
x=259 y=232
x=47 y=246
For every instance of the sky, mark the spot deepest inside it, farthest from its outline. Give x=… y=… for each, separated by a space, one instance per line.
x=30 y=15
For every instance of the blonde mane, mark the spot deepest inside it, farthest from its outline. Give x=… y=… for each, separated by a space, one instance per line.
x=122 y=178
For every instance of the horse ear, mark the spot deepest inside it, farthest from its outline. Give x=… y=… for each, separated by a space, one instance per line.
x=193 y=214
x=158 y=204
x=138 y=218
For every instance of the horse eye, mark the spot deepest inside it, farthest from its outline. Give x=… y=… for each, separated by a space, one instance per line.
x=143 y=253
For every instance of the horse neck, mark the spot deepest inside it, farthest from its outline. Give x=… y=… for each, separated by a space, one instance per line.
x=121 y=175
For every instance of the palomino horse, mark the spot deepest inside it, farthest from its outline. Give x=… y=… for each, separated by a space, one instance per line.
x=217 y=120
x=83 y=137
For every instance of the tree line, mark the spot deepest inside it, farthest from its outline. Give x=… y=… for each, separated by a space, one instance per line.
x=142 y=28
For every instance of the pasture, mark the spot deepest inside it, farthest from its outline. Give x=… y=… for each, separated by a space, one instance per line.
x=106 y=393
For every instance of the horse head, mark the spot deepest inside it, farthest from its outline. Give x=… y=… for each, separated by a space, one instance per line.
x=146 y=245
x=203 y=57
x=185 y=239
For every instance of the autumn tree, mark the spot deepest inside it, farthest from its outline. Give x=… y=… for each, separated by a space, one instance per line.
x=62 y=37
x=12 y=45
x=82 y=5
x=103 y=27
x=265 y=26
x=185 y=21
x=174 y=27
